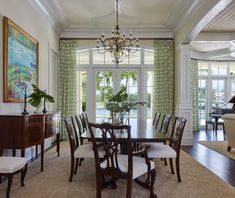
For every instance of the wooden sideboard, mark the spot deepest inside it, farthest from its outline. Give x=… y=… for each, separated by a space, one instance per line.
x=20 y=132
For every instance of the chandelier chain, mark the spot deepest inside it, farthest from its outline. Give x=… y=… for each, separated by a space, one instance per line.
x=118 y=45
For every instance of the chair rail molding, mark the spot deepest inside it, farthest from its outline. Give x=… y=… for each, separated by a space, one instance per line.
x=183 y=105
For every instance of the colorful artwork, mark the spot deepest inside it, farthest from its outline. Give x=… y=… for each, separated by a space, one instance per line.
x=20 y=62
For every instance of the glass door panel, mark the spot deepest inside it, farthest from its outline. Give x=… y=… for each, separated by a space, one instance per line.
x=202 y=85
x=82 y=93
x=232 y=88
x=129 y=80
x=104 y=88
x=217 y=94
x=150 y=88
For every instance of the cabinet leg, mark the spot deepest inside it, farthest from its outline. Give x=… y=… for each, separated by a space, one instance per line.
x=42 y=156
x=36 y=150
x=58 y=144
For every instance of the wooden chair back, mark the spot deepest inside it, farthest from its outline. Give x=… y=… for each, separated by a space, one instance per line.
x=80 y=128
x=110 y=145
x=84 y=120
x=177 y=132
x=165 y=123
x=156 y=119
x=72 y=134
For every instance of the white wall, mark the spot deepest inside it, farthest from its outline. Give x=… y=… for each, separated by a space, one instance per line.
x=25 y=16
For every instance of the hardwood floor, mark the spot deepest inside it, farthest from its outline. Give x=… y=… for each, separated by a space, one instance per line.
x=220 y=165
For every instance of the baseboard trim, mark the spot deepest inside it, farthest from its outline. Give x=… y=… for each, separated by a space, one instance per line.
x=187 y=141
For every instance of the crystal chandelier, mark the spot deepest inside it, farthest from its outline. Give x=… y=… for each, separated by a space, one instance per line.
x=118 y=45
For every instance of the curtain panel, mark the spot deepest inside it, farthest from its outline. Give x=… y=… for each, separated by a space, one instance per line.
x=164 y=77
x=194 y=88
x=67 y=91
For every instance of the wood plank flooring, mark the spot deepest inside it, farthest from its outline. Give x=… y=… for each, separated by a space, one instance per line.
x=220 y=165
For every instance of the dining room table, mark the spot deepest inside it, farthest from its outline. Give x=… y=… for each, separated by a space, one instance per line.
x=142 y=132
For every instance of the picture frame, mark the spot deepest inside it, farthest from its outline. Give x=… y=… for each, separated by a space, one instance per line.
x=20 y=62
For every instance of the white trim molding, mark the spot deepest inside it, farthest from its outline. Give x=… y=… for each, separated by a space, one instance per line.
x=183 y=91
x=88 y=32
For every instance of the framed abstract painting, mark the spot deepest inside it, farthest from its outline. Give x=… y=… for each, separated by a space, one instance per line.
x=20 y=59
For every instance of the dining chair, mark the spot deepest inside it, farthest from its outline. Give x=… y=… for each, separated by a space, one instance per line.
x=164 y=128
x=165 y=123
x=80 y=127
x=171 y=151
x=9 y=166
x=84 y=120
x=156 y=119
x=125 y=166
x=78 y=151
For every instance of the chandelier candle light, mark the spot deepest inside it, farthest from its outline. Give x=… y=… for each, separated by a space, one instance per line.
x=117 y=45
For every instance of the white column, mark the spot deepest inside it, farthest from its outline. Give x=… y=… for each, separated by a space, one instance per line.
x=183 y=102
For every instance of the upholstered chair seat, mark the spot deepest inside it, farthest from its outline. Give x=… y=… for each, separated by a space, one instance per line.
x=139 y=165
x=86 y=151
x=10 y=166
x=229 y=123
x=160 y=150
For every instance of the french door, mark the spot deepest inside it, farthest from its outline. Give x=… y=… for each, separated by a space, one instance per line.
x=212 y=93
x=109 y=81
x=96 y=84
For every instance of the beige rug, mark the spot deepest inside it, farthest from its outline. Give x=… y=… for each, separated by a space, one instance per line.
x=220 y=147
x=197 y=181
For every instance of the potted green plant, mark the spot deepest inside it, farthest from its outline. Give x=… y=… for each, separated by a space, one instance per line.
x=119 y=104
x=35 y=98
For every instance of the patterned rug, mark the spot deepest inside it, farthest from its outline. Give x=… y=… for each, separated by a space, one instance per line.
x=197 y=181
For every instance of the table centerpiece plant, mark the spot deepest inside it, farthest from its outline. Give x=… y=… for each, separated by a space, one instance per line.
x=118 y=105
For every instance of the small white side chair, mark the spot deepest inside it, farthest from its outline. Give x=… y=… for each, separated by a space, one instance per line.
x=10 y=166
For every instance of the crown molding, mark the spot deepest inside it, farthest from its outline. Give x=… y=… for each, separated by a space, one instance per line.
x=215 y=36
x=52 y=12
x=94 y=32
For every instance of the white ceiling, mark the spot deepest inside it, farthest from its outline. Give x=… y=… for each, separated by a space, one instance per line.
x=133 y=13
x=83 y=17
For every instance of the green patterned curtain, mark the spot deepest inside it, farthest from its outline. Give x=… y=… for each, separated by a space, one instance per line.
x=67 y=91
x=194 y=88
x=163 y=101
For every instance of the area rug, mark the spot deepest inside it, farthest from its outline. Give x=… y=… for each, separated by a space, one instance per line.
x=197 y=181
x=220 y=147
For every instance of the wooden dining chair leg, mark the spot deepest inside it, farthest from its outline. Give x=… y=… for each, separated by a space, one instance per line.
x=177 y=164
x=98 y=186
x=171 y=165
x=72 y=169
x=153 y=177
x=80 y=162
x=129 y=188
x=76 y=165
x=23 y=173
x=165 y=162
x=114 y=183
x=9 y=185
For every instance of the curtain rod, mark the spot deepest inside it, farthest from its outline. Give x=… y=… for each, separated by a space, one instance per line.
x=212 y=60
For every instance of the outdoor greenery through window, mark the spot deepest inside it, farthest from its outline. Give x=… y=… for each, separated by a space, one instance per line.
x=99 y=78
x=216 y=85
